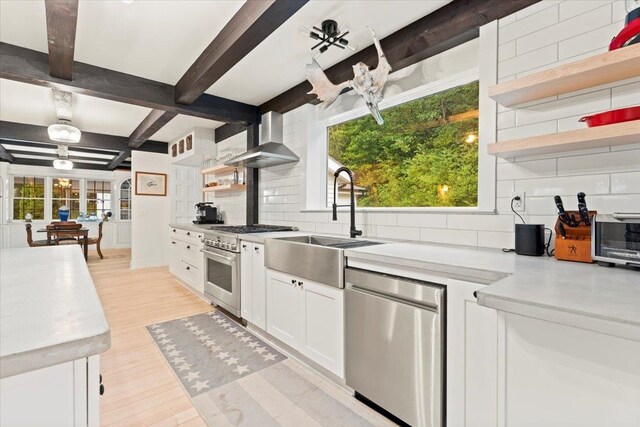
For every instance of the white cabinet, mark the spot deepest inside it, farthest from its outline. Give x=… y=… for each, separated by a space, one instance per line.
x=307 y=316
x=472 y=358
x=61 y=395
x=186 y=262
x=253 y=291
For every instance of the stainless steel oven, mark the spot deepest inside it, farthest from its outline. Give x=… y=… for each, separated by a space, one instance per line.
x=222 y=278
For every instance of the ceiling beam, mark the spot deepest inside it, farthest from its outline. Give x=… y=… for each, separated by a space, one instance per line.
x=253 y=23
x=452 y=25
x=149 y=126
x=29 y=66
x=118 y=160
x=62 y=18
x=48 y=163
x=5 y=155
x=227 y=131
x=11 y=131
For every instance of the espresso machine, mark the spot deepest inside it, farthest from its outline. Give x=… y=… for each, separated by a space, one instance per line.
x=206 y=213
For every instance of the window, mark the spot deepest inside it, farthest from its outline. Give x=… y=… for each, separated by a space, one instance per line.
x=28 y=197
x=125 y=200
x=425 y=154
x=65 y=192
x=98 y=197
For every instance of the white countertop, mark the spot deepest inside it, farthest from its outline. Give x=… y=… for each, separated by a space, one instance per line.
x=601 y=299
x=193 y=227
x=259 y=237
x=50 y=312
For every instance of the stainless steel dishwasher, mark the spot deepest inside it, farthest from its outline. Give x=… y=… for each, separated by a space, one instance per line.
x=394 y=344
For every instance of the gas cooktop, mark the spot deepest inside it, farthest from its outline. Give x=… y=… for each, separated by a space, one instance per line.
x=246 y=229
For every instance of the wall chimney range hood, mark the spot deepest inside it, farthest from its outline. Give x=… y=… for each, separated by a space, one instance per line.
x=271 y=151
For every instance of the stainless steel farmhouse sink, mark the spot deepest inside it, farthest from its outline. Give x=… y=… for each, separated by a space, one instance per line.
x=316 y=258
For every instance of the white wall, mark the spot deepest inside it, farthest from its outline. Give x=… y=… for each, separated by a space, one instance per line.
x=151 y=214
x=541 y=36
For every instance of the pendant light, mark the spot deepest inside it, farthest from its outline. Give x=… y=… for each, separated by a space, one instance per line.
x=64 y=132
x=63 y=163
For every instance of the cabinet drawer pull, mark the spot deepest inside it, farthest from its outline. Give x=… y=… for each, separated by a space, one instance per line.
x=101 y=389
x=188 y=233
x=475 y=294
x=293 y=281
x=188 y=246
x=300 y=283
x=244 y=246
x=173 y=243
x=174 y=230
x=188 y=268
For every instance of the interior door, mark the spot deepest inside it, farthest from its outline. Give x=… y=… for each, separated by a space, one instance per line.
x=184 y=193
x=259 y=287
x=283 y=305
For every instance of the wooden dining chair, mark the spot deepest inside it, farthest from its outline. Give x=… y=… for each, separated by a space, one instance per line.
x=96 y=240
x=65 y=233
x=33 y=243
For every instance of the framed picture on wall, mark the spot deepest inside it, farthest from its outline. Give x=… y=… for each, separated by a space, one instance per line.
x=151 y=184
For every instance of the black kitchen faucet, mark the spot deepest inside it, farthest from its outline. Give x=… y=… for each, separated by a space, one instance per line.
x=352 y=231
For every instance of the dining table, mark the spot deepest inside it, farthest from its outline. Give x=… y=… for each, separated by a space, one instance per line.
x=84 y=232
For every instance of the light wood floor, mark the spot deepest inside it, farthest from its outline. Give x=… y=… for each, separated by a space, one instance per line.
x=140 y=388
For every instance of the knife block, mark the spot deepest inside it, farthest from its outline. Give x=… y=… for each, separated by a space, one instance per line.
x=577 y=244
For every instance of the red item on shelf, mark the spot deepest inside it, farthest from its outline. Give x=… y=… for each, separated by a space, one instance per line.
x=631 y=30
x=613 y=116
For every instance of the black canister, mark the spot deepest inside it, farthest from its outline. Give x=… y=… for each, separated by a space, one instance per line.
x=530 y=239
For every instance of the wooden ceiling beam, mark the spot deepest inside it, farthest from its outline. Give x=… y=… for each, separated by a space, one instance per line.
x=5 y=155
x=253 y=23
x=149 y=126
x=118 y=160
x=30 y=66
x=10 y=131
x=62 y=19
x=49 y=163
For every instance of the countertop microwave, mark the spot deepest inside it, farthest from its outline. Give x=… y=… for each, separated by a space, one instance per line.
x=615 y=239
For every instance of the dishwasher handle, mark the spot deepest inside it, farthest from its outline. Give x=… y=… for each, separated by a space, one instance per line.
x=398 y=288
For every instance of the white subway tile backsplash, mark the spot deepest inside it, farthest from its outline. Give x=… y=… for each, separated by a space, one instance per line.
x=506 y=119
x=619 y=11
x=625 y=96
x=481 y=222
x=453 y=237
x=566 y=107
x=544 y=56
x=527 y=25
x=422 y=220
x=522 y=170
x=626 y=183
x=526 y=131
x=563 y=30
x=494 y=239
x=504 y=188
x=618 y=161
x=598 y=38
x=535 y=8
x=399 y=233
x=608 y=204
x=590 y=184
x=569 y=9
x=507 y=50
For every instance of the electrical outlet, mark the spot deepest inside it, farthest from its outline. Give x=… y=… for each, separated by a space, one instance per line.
x=518 y=205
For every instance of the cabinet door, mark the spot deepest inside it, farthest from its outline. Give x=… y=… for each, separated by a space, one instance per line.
x=246 y=265
x=472 y=358
x=174 y=256
x=259 y=288
x=283 y=306
x=322 y=335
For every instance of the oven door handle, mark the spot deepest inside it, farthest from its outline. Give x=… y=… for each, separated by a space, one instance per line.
x=217 y=255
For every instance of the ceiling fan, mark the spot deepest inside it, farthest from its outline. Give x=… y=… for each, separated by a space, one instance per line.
x=62 y=131
x=329 y=34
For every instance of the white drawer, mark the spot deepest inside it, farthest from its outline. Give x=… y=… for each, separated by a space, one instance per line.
x=190 y=275
x=186 y=235
x=190 y=253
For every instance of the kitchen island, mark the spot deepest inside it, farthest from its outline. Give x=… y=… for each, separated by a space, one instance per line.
x=53 y=328
x=530 y=340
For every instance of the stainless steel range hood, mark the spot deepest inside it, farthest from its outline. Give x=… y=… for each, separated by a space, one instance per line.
x=271 y=150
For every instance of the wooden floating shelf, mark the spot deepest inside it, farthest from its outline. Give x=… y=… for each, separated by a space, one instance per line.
x=609 y=67
x=218 y=170
x=595 y=137
x=226 y=187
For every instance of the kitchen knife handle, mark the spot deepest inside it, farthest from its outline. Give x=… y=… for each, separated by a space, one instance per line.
x=562 y=214
x=562 y=231
x=582 y=208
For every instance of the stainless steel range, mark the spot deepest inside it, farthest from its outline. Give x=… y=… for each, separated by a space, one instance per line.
x=222 y=262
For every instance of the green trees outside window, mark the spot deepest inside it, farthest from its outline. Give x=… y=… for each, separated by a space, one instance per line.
x=425 y=154
x=28 y=197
